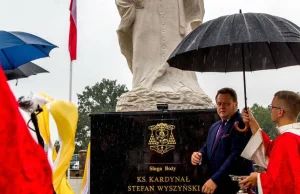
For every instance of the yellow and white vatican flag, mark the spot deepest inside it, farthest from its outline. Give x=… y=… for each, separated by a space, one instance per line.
x=43 y=100
x=65 y=115
x=85 y=188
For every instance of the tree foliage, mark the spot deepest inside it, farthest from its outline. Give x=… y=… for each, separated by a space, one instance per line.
x=263 y=117
x=100 y=98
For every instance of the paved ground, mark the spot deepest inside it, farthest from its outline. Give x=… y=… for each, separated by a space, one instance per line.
x=76 y=184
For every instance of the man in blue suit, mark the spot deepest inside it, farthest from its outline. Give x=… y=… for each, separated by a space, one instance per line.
x=223 y=147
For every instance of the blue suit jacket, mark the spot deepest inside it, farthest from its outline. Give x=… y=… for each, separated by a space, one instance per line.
x=225 y=158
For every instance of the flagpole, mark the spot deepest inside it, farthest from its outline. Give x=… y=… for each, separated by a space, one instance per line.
x=70 y=82
x=70 y=100
x=72 y=48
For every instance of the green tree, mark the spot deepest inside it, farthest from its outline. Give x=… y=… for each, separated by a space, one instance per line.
x=263 y=117
x=100 y=98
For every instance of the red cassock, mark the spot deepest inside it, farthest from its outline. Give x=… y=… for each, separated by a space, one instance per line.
x=283 y=172
x=24 y=167
x=280 y=157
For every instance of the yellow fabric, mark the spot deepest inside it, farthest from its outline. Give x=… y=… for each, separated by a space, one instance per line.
x=65 y=115
x=86 y=174
x=44 y=127
x=43 y=122
x=54 y=155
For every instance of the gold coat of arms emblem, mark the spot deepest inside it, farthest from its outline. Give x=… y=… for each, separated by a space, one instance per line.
x=162 y=139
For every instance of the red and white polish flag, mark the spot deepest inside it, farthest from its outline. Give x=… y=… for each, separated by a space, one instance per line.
x=73 y=31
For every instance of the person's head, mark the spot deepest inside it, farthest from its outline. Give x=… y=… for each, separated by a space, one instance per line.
x=285 y=107
x=226 y=100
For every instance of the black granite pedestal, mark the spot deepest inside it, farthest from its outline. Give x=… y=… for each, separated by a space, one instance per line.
x=148 y=152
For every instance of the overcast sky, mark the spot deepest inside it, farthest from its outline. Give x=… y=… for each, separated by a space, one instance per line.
x=99 y=54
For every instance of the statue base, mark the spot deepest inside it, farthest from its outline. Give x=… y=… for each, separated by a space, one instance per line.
x=146 y=100
x=148 y=151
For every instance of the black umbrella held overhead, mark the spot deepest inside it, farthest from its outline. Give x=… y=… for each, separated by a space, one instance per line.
x=24 y=71
x=239 y=42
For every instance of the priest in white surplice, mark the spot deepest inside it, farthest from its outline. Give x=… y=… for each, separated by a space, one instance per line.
x=280 y=157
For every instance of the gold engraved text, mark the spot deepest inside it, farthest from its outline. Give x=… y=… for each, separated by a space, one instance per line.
x=171 y=179
x=140 y=188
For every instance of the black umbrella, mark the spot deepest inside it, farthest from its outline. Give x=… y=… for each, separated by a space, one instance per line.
x=24 y=71
x=239 y=42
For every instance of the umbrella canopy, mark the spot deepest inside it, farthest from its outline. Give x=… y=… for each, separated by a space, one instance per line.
x=268 y=42
x=18 y=48
x=24 y=71
x=239 y=42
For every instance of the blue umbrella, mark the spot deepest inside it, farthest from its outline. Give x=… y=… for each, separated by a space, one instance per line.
x=18 y=48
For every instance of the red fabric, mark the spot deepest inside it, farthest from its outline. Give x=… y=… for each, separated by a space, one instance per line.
x=268 y=144
x=283 y=172
x=73 y=31
x=24 y=168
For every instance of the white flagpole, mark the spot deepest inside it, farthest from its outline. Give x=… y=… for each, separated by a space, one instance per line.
x=70 y=82
x=70 y=100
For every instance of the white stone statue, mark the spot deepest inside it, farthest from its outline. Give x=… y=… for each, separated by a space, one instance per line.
x=148 y=33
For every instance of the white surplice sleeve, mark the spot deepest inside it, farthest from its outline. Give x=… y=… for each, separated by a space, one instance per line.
x=255 y=150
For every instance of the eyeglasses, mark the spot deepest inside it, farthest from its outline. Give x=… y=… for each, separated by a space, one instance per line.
x=270 y=107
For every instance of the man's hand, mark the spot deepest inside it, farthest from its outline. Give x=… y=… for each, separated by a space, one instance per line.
x=209 y=187
x=249 y=118
x=195 y=158
x=250 y=181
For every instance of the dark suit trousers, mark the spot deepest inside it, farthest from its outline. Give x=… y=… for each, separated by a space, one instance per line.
x=227 y=187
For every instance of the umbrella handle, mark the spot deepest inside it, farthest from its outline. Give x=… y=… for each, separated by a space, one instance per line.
x=236 y=127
